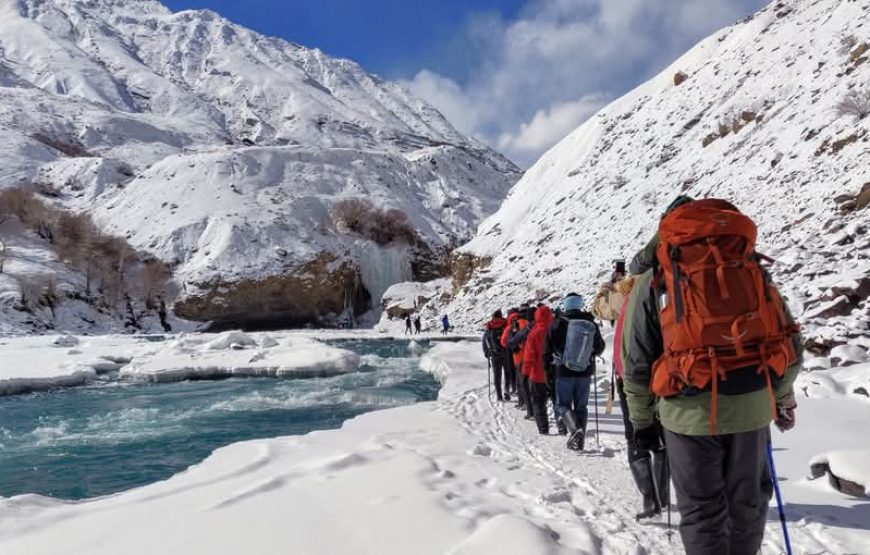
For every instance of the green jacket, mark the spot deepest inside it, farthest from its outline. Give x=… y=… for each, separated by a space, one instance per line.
x=642 y=345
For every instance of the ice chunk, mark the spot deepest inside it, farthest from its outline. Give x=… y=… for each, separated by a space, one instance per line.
x=297 y=357
x=232 y=340
x=65 y=341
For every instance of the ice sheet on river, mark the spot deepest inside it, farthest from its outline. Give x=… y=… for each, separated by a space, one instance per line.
x=44 y=362
x=240 y=354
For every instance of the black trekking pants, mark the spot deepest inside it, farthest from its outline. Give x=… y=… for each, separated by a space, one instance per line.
x=498 y=369
x=723 y=490
x=633 y=452
x=510 y=375
x=539 y=394
x=525 y=392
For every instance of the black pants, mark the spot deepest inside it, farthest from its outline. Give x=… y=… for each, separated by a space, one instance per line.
x=539 y=394
x=525 y=391
x=510 y=375
x=723 y=490
x=633 y=452
x=498 y=369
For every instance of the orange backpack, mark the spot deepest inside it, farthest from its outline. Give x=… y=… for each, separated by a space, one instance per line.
x=722 y=313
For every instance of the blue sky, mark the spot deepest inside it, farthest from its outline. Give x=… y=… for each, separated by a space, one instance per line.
x=518 y=74
x=389 y=37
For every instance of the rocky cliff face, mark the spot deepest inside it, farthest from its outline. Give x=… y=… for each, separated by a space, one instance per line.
x=767 y=114
x=224 y=152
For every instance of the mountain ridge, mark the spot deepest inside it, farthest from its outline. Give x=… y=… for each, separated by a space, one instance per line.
x=138 y=115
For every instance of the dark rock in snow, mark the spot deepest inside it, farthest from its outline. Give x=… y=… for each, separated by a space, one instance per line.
x=840 y=484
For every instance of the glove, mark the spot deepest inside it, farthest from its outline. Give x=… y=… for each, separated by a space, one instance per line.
x=785 y=418
x=647 y=439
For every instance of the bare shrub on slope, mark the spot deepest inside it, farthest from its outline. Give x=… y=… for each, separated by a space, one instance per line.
x=119 y=271
x=856 y=103
x=381 y=226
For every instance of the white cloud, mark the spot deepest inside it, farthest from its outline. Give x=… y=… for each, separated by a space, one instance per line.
x=541 y=74
x=549 y=126
x=446 y=95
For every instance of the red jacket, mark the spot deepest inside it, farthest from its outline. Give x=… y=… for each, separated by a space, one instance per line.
x=522 y=324
x=507 y=329
x=533 y=354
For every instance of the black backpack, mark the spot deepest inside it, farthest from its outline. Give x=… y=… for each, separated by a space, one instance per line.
x=493 y=342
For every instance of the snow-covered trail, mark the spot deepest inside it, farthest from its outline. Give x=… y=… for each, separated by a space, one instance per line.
x=461 y=475
x=594 y=487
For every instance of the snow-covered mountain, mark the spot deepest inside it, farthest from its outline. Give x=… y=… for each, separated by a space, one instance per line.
x=223 y=152
x=752 y=115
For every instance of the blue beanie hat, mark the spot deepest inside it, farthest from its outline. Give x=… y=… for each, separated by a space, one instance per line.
x=572 y=302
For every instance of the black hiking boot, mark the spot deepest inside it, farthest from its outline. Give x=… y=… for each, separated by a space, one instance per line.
x=530 y=416
x=576 y=431
x=642 y=472
x=577 y=441
x=563 y=431
x=507 y=397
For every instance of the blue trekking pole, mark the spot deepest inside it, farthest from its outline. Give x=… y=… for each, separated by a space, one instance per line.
x=773 y=477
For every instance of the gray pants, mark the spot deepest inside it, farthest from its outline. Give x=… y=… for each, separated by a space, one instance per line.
x=723 y=490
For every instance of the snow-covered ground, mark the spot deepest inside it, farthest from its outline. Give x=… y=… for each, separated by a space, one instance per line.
x=461 y=475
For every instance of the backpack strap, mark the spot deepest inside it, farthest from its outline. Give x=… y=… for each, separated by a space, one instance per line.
x=679 y=307
x=720 y=267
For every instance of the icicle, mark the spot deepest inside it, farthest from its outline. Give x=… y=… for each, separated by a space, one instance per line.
x=381 y=267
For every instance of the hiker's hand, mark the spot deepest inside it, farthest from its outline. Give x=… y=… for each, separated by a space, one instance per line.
x=785 y=417
x=647 y=439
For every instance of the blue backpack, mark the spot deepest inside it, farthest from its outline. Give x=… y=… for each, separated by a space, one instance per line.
x=579 y=345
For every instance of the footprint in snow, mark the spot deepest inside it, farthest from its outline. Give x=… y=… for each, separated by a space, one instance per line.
x=481 y=450
x=559 y=496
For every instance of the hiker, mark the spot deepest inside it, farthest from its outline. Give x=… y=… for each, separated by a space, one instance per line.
x=533 y=367
x=445 y=325
x=609 y=300
x=510 y=365
x=418 y=325
x=717 y=382
x=572 y=344
x=648 y=466
x=407 y=324
x=618 y=273
x=495 y=353
x=518 y=333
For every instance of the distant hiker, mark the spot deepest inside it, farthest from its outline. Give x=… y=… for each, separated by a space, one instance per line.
x=510 y=365
x=720 y=351
x=516 y=343
x=533 y=366
x=407 y=324
x=418 y=325
x=497 y=355
x=619 y=272
x=648 y=466
x=572 y=345
x=609 y=300
x=445 y=325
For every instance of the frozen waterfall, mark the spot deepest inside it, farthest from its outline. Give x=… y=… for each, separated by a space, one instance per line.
x=381 y=267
